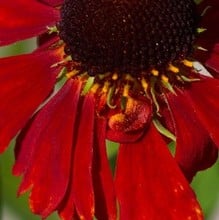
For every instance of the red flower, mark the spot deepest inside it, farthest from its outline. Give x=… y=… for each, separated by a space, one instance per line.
x=129 y=78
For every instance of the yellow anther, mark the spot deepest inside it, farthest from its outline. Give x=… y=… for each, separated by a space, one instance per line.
x=165 y=79
x=115 y=76
x=106 y=87
x=173 y=69
x=144 y=84
x=130 y=104
x=128 y=77
x=155 y=72
x=71 y=74
x=95 y=87
x=188 y=63
x=126 y=90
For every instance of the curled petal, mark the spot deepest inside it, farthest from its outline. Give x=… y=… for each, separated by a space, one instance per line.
x=44 y=150
x=195 y=149
x=128 y=126
x=22 y=19
x=25 y=82
x=149 y=184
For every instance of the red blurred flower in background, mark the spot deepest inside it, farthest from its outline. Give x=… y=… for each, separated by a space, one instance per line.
x=129 y=77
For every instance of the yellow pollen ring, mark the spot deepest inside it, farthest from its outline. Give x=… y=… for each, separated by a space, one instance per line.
x=115 y=76
x=173 y=69
x=188 y=63
x=126 y=90
x=165 y=79
x=95 y=87
x=155 y=72
x=71 y=74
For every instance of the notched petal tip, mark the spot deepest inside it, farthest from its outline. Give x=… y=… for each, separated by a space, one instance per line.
x=46 y=159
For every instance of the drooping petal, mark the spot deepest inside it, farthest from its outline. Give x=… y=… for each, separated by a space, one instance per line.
x=25 y=82
x=52 y=2
x=44 y=151
x=80 y=194
x=105 y=199
x=194 y=148
x=203 y=96
x=22 y=19
x=149 y=184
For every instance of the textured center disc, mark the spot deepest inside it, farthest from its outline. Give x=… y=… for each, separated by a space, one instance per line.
x=127 y=35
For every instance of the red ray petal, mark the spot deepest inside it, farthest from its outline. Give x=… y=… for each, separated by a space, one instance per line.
x=205 y=100
x=25 y=82
x=45 y=150
x=69 y=213
x=22 y=19
x=213 y=61
x=105 y=200
x=52 y=2
x=80 y=192
x=149 y=185
x=82 y=173
x=194 y=149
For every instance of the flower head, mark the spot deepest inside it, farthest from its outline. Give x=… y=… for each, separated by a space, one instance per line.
x=129 y=75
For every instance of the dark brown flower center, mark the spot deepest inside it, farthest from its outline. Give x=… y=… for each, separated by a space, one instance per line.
x=127 y=35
